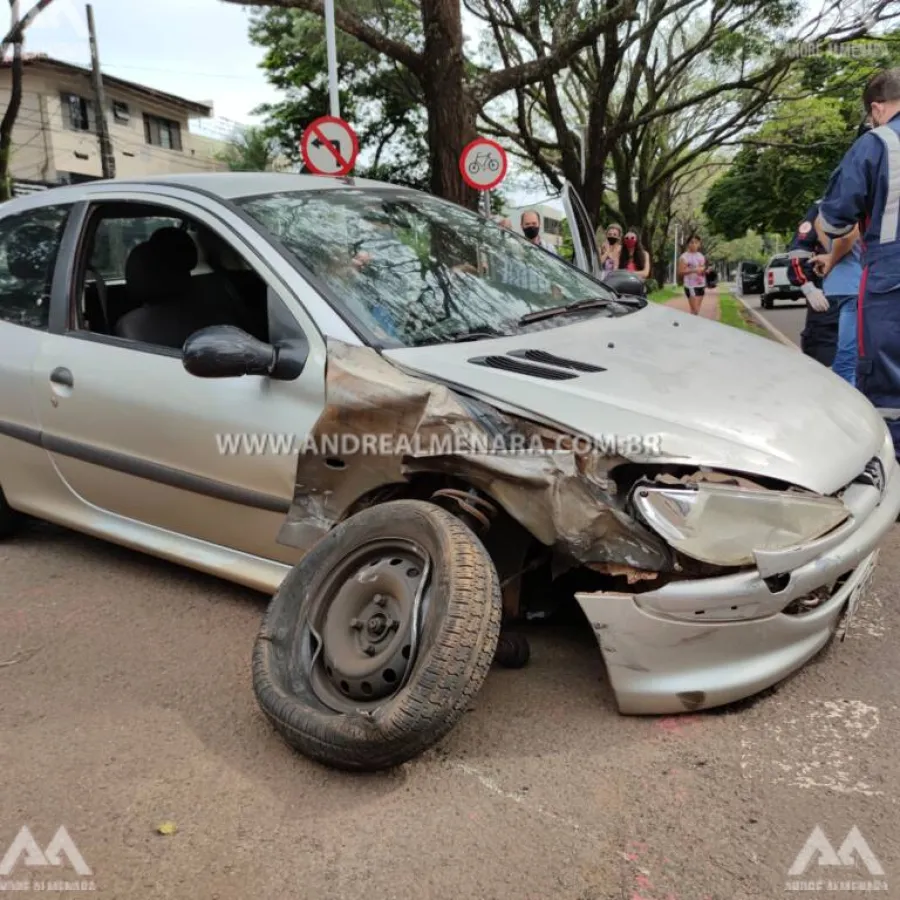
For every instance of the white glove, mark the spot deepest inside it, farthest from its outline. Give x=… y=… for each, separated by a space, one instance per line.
x=814 y=297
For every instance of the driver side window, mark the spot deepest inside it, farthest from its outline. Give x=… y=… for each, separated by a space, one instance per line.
x=153 y=277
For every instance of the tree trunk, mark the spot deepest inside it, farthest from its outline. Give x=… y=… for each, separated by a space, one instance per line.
x=9 y=122
x=451 y=110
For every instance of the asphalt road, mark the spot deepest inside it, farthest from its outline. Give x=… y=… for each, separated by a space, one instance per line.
x=125 y=702
x=789 y=316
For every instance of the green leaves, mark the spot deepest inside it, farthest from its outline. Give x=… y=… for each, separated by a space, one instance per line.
x=383 y=100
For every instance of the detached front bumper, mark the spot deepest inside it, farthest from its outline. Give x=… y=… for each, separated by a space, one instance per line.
x=698 y=644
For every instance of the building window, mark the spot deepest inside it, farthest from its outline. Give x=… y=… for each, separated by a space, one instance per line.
x=78 y=112
x=121 y=113
x=551 y=226
x=162 y=132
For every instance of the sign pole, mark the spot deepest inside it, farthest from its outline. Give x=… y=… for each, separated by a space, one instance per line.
x=331 y=46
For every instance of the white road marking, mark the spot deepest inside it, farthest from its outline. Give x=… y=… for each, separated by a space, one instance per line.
x=490 y=785
x=814 y=750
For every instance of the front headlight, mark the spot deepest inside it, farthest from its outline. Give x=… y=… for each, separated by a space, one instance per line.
x=724 y=525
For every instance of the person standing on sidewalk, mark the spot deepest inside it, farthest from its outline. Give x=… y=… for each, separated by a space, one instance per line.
x=692 y=271
x=611 y=248
x=864 y=191
x=633 y=257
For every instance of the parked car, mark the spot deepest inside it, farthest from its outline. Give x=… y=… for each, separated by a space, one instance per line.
x=405 y=421
x=777 y=284
x=750 y=278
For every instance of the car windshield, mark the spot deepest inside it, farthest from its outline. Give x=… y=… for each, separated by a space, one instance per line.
x=409 y=269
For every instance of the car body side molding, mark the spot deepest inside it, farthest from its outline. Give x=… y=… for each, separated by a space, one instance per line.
x=141 y=468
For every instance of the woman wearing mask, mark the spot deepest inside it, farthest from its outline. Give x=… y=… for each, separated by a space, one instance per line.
x=692 y=269
x=633 y=257
x=611 y=248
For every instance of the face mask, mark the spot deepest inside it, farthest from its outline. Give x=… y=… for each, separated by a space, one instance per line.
x=613 y=238
x=630 y=242
x=531 y=231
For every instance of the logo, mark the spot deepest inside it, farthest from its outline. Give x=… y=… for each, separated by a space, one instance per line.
x=25 y=852
x=818 y=857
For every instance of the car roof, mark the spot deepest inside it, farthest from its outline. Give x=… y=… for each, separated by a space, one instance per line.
x=227 y=185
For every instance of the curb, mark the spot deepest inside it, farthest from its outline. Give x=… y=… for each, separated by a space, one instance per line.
x=764 y=323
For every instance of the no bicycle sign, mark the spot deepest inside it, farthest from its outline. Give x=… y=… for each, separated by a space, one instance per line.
x=329 y=146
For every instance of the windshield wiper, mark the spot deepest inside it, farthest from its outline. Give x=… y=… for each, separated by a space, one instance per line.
x=587 y=303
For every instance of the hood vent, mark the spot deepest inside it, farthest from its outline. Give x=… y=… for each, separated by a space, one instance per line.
x=550 y=359
x=509 y=364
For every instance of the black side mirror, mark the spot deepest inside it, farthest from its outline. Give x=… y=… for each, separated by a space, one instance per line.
x=223 y=351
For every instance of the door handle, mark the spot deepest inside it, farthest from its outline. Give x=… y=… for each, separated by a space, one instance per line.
x=62 y=376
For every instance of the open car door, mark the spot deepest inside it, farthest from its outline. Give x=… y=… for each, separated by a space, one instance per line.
x=584 y=239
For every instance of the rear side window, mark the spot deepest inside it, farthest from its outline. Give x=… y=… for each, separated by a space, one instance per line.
x=116 y=238
x=29 y=244
x=778 y=261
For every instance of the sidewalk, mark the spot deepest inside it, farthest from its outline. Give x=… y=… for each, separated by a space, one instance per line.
x=709 y=309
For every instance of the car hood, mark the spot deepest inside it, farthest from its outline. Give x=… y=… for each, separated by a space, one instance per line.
x=715 y=395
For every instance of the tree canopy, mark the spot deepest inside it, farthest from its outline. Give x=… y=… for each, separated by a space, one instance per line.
x=785 y=165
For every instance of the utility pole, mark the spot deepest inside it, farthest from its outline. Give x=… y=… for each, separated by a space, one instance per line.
x=107 y=157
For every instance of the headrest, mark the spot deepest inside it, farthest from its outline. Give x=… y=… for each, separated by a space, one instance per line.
x=177 y=247
x=30 y=250
x=151 y=277
x=218 y=253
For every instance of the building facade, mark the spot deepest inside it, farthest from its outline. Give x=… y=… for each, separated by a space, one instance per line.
x=55 y=137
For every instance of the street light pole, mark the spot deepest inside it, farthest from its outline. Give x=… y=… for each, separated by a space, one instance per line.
x=331 y=47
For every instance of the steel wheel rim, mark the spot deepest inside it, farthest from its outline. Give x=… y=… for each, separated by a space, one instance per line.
x=364 y=625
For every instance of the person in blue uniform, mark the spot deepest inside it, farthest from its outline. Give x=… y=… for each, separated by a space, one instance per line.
x=819 y=337
x=865 y=190
x=841 y=269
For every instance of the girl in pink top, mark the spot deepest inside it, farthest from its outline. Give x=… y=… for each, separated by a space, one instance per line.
x=692 y=268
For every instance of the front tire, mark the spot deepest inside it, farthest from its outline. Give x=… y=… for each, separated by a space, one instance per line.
x=378 y=639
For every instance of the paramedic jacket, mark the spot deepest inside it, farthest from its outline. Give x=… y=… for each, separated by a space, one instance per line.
x=804 y=246
x=865 y=190
x=820 y=334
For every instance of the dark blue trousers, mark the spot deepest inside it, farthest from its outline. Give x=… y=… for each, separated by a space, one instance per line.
x=878 y=370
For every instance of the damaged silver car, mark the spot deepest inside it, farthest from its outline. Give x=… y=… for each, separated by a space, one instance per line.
x=416 y=428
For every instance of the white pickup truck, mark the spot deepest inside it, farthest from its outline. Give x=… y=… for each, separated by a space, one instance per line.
x=777 y=285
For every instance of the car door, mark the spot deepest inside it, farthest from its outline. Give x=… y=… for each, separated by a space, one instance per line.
x=29 y=247
x=584 y=239
x=134 y=435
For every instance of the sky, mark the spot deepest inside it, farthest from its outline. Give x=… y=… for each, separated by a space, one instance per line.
x=198 y=49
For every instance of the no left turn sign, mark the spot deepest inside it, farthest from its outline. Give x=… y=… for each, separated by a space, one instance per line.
x=329 y=146
x=483 y=164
